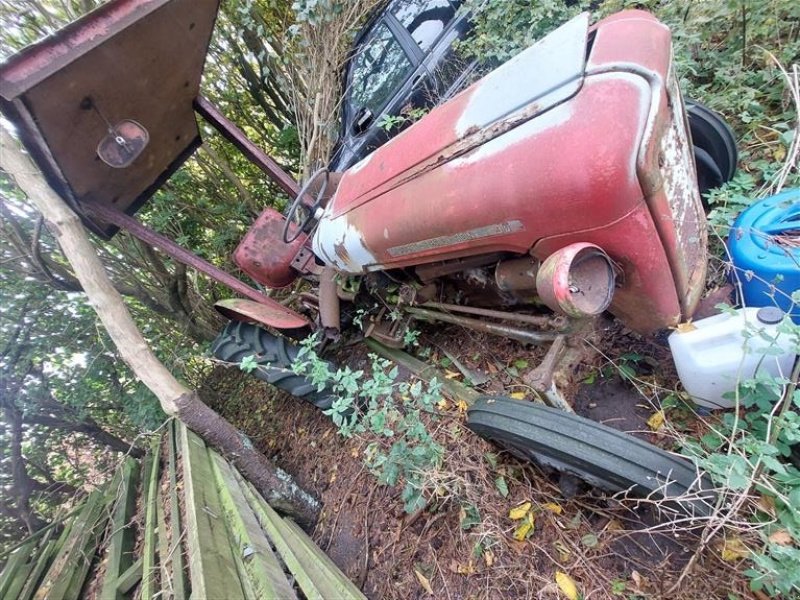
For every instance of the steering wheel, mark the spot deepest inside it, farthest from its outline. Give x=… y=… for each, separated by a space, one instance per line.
x=288 y=238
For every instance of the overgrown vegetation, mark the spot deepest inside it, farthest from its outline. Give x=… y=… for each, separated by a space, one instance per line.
x=741 y=59
x=392 y=415
x=749 y=454
x=287 y=57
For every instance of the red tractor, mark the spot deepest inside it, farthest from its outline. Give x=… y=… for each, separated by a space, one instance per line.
x=560 y=186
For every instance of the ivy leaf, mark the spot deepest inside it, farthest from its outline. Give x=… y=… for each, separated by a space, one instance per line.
x=502 y=486
x=470 y=517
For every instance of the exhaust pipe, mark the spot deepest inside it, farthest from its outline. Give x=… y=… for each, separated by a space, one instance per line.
x=329 y=314
x=577 y=280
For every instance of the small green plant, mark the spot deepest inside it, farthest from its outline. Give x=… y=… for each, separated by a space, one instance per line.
x=618 y=587
x=411 y=338
x=407 y=116
x=387 y=413
x=248 y=364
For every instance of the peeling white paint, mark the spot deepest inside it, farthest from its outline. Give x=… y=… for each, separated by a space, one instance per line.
x=361 y=164
x=341 y=245
x=680 y=180
x=547 y=73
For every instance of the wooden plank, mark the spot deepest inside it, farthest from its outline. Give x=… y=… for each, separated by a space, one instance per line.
x=176 y=553
x=315 y=572
x=47 y=551
x=41 y=532
x=23 y=573
x=212 y=569
x=66 y=534
x=150 y=526
x=130 y=577
x=96 y=530
x=163 y=551
x=119 y=554
x=72 y=556
x=261 y=567
x=17 y=570
x=454 y=389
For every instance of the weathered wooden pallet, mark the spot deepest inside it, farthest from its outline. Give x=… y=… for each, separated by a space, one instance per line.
x=227 y=539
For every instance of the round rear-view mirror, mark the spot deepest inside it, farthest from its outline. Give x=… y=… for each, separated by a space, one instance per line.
x=123 y=144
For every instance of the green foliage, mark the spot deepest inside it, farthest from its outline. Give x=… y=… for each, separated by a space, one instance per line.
x=502 y=29
x=386 y=413
x=406 y=117
x=248 y=363
x=749 y=452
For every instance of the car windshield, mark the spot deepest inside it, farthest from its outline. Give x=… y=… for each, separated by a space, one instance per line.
x=424 y=19
x=378 y=68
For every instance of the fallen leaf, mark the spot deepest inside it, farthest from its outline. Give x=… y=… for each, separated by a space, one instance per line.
x=639 y=582
x=686 y=327
x=614 y=525
x=567 y=585
x=451 y=374
x=488 y=557
x=553 y=508
x=522 y=532
x=767 y=504
x=732 y=549
x=518 y=395
x=519 y=512
x=590 y=540
x=502 y=486
x=462 y=406
x=779 y=154
x=563 y=551
x=781 y=537
x=656 y=420
x=423 y=581
x=462 y=569
x=443 y=404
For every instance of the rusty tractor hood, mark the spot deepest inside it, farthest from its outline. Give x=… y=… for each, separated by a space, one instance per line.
x=128 y=61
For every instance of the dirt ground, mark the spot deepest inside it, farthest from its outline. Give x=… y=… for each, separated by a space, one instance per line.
x=611 y=548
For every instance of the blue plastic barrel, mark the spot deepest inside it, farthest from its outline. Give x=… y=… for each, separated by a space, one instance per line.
x=765 y=248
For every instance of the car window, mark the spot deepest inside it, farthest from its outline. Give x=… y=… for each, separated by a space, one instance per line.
x=378 y=68
x=424 y=19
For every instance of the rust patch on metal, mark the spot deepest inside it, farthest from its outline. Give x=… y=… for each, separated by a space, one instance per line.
x=263 y=255
x=577 y=281
x=274 y=315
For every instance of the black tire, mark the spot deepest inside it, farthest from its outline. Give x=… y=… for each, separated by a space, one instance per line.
x=603 y=457
x=714 y=146
x=274 y=355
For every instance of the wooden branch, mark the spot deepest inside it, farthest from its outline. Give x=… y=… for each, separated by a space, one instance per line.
x=174 y=397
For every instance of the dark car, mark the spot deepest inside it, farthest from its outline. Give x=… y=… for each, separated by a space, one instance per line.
x=403 y=59
x=406 y=59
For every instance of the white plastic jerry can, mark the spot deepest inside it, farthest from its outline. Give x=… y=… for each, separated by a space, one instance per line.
x=726 y=349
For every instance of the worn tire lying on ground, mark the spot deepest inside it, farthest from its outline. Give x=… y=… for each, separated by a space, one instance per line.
x=273 y=354
x=603 y=457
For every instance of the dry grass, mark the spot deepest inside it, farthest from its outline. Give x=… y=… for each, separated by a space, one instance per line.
x=321 y=49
